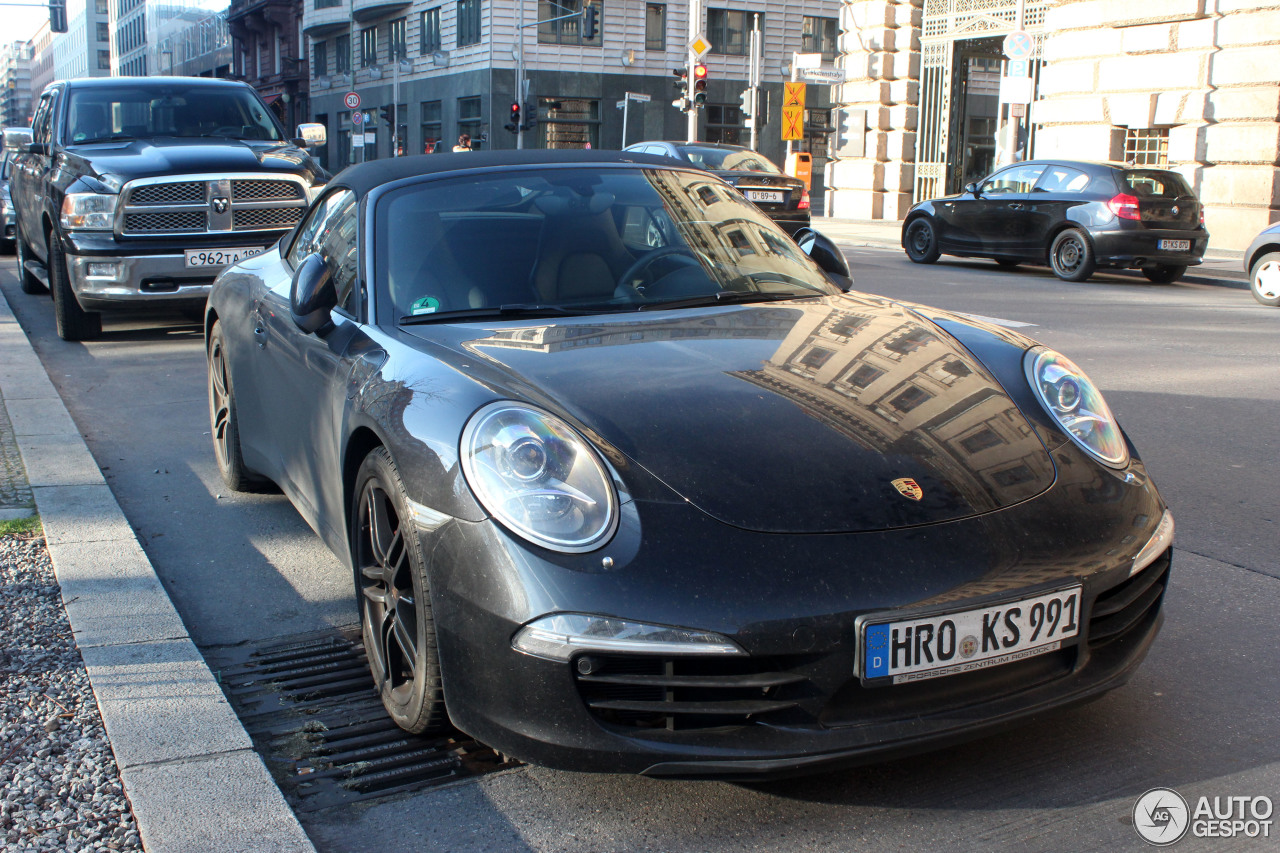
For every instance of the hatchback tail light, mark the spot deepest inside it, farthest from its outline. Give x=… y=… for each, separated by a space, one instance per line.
x=1124 y=206
x=1202 y=216
x=804 y=200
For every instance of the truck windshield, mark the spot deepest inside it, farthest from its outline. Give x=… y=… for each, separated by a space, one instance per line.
x=145 y=112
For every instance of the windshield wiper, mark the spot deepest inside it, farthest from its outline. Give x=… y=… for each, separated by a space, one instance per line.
x=725 y=297
x=510 y=310
x=115 y=137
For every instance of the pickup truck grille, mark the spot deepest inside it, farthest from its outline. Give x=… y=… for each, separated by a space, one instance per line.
x=217 y=205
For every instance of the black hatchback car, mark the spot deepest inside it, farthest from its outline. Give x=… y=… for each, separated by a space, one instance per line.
x=783 y=198
x=1074 y=216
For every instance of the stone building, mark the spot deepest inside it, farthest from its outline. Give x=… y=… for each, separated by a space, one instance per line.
x=268 y=54
x=1189 y=84
x=15 y=84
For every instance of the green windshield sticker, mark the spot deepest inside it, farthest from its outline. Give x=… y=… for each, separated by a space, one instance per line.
x=425 y=305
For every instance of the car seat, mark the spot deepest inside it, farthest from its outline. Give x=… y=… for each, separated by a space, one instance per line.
x=580 y=253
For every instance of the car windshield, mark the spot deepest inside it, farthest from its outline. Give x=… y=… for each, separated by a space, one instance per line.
x=105 y=114
x=728 y=159
x=581 y=239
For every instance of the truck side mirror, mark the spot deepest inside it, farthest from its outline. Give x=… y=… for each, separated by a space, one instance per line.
x=17 y=139
x=312 y=135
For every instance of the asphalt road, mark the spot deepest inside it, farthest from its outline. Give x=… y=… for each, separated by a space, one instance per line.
x=1190 y=371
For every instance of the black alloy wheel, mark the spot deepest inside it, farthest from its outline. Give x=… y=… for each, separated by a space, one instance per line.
x=74 y=323
x=224 y=425
x=1264 y=279
x=28 y=282
x=1164 y=273
x=1071 y=256
x=395 y=609
x=921 y=241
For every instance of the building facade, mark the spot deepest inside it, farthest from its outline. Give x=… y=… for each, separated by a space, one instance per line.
x=445 y=68
x=15 y=84
x=1192 y=85
x=267 y=51
x=185 y=38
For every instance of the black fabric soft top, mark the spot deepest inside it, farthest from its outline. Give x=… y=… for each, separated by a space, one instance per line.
x=363 y=177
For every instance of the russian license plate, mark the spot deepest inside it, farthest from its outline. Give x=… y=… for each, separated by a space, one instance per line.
x=951 y=643
x=220 y=257
x=764 y=195
x=1174 y=245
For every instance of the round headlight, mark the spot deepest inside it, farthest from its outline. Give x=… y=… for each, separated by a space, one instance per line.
x=539 y=478
x=1076 y=404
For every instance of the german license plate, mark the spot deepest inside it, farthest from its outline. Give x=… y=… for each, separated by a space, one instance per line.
x=220 y=257
x=1174 y=245
x=951 y=643
x=772 y=196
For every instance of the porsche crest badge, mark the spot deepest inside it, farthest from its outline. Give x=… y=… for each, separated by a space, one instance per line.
x=908 y=488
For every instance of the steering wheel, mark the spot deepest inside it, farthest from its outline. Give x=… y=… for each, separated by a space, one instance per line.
x=649 y=257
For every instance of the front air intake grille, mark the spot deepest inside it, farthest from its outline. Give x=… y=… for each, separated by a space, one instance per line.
x=180 y=220
x=265 y=217
x=685 y=693
x=1124 y=605
x=265 y=190
x=187 y=192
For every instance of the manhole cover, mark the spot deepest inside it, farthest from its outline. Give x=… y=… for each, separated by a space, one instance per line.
x=308 y=703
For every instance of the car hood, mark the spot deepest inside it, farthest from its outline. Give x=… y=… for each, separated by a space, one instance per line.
x=839 y=414
x=146 y=158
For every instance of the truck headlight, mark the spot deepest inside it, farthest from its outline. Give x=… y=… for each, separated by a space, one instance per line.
x=88 y=211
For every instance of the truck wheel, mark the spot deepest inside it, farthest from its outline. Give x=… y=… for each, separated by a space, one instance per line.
x=74 y=323
x=28 y=282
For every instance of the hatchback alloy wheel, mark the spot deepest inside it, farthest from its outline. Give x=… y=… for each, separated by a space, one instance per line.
x=1265 y=279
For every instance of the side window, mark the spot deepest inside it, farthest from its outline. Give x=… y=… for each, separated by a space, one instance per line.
x=1062 y=179
x=42 y=123
x=339 y=251
x=1019 y=179
x=311 y=235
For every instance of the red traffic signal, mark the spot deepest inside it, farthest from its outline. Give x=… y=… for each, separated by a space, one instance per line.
x=514 y=124
x=700 y=72
x=699 y=84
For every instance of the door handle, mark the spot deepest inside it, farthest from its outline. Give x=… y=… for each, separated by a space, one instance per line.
x=1013 y=205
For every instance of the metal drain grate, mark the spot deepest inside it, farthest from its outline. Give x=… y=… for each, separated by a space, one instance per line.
x=308 y=703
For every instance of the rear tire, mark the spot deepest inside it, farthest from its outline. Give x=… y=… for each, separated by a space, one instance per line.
x=921 y=241
x=1164 y=273
x=224 y=423
x=28 y=282
x=1071 y=256
x=1264 y=280
x=74 y=323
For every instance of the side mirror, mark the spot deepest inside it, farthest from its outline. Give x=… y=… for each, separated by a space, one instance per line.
x=17 y=139
x=823 y=252
x=312 y=296
x=972 y=189
x=312 y=135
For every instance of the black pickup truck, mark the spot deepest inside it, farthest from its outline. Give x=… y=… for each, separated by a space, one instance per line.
x=134 y=193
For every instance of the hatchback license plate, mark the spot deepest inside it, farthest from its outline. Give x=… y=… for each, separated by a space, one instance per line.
x=951 y=643
x=220 y=257
x=772 y=196
x=1174 y=245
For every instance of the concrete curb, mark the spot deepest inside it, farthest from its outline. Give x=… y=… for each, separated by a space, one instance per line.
x=186 y=762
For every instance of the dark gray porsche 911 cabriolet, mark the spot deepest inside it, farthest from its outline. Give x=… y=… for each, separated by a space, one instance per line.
x=629 y=481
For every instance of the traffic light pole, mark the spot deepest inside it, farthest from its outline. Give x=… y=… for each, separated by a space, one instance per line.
x=521 y=83
x=753 y=83
x=695 y=30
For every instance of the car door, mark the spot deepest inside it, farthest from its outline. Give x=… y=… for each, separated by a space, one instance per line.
x=997 y=224
x=1059 y=188
x=29 y=176
x=300 y=376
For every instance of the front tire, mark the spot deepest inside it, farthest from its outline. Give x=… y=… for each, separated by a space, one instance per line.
x=224 y=423
x=1264 y=280
x=395 y=607
x=74 y=323
x=1071 y=256
x=921 y=241
x=1164 y=273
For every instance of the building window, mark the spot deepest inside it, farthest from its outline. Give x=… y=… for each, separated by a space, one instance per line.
x=320 y=64
x=432 y=126
x=397 y=39
x=863 y=376
x=567 y=30
x=104 y=32
x=910 y=398
x=342 y=54
x=655 y=26
x=1147 y=146
x=368 y=47
x=430 y=30
x=724 y=124
x=816 y=358
x=100 y=7
x=819 y=36
x=469 y=119
x=468 y=22
x=727 y=30
x=104 y=60
x=327 y=4
x=984 y=439
x=569 y=123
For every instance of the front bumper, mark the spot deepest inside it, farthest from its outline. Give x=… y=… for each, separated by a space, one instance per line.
x=793 y=610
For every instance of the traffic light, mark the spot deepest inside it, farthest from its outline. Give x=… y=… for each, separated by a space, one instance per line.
x=748 y=102
x=514 y=124
x=682 y=88
x=699 y=85
x=57 y=16
x=589 y=23
x=388 y=116
x=530 y=115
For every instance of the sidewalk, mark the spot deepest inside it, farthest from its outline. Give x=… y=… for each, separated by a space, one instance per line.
x=1221 y=266
x=186 y=763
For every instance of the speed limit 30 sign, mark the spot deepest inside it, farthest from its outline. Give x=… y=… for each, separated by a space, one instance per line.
x=352 y=100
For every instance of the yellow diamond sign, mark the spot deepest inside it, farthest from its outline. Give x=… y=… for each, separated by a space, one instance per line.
x=699 y=46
